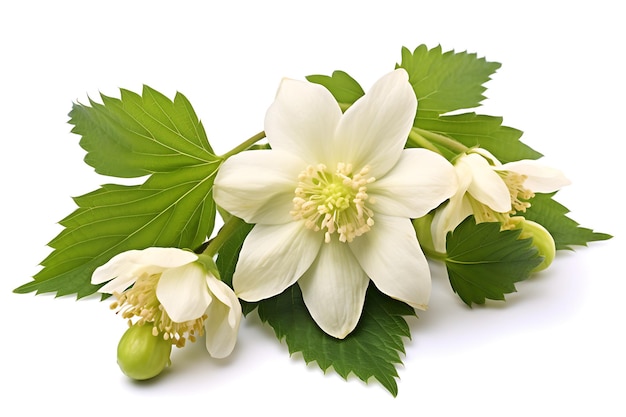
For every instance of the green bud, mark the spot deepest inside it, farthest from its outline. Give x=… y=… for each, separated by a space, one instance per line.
x=542 y=239
x=140 y=354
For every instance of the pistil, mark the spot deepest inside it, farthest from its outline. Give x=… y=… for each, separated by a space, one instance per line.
x=334 y=201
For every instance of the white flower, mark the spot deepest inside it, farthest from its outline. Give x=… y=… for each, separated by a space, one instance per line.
x=176 y=292
x=491 y=191
x=331 y=201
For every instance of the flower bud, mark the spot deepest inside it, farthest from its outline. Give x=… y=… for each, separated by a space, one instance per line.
x=140 y=354
x=542 y=239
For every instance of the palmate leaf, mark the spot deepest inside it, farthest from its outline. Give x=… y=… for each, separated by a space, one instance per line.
x=485 y=263
x=173 y=207
x=372 y=350
x=565 y=231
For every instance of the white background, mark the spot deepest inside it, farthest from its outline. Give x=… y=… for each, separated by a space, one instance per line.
x=556 y=346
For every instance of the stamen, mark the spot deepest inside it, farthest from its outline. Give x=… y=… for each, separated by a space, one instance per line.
x=140 y=302
x=335 y=201
x=519 y=194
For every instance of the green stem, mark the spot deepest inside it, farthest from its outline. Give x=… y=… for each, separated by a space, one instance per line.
x=422 y=142
x=222 y=236
x=244 y=145
x=441 y=140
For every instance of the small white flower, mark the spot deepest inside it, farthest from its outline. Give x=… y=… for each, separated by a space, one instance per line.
x=175 y=292
x=492 y=191
x=332 y=201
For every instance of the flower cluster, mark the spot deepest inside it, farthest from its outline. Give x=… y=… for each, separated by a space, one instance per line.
x=333 y=216
x=332 y=199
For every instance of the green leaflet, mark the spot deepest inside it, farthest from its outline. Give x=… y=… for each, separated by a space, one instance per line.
x=444 y=82
x=487 y=132
x=485 y=263
x=565 y=231
x=173 y=207
x=371 y=350
x=138 y=135
x=343 y=87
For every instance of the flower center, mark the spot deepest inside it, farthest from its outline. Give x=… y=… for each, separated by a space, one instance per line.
x=519 y=196
x=334 y=201
x=141 y=301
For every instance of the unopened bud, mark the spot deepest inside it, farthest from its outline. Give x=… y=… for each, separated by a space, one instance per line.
x=542 y=239
x=140 y=354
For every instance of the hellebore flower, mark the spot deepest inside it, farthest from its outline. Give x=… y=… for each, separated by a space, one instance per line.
x=332 y=199
x=178 y=292
x=492 y=191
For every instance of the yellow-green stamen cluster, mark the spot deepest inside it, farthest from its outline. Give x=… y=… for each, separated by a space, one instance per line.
x=519 y=194
x=141 y=301
x=334 y=201
x=519 y=201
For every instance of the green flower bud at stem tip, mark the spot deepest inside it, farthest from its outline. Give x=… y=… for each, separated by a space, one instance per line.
x=140 y=354
x=542 y=239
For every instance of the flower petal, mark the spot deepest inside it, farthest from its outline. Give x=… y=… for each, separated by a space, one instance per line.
x=391 y=256
x=258 y=186
x=302 y=120
x=183 y=292
x=223 y=319
x=127 y=266
x=486 y=186
x=334 y=288
x=447 y=218
x=452 y=213
x=419 y=182
x=375 y=128
x=540 y=178
x=273 y=257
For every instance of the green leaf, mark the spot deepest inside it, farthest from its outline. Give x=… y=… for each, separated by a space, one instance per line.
x=174 y=207
x=565 y=231
x=480 y=130
x=484 y=262
x=371 y=350
x=445 y=82
x=343 y=87
x=139 y=135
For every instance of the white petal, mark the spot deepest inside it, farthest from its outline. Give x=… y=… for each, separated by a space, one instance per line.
x=452 y=213
x=447 y=218
x=127 y=266
x=183 y=292
x=540 y=178
x=374 y=130
x=258 y=186
x=223 y=319
x=302 y=120
x=394 y=261
x=487 y=186
x=272 y=258
x=419 y=182
x=334 y=288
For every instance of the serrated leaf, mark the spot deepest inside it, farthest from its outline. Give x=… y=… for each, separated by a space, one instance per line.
x=565 y=231
x=372 y=350
x=173 y=207
x=445 y=82
x=485 y=263
x=139 y=135
x=342 y=86
x=480 y=130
